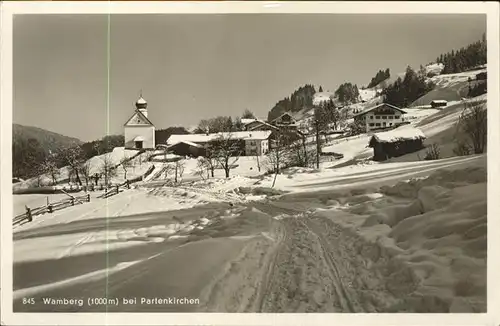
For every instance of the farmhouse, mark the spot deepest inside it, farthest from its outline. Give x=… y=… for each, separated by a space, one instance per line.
x=438 y=103
x=250 y=142
x=397 y=142
x=284 y=120
x=139 y=130
x=256 y=124
x=381 y=116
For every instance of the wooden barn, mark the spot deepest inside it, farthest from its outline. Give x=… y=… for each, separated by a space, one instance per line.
x=396 y=142
x=186 y=148
x=438 y=103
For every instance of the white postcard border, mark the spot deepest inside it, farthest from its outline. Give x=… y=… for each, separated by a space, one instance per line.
x=9 y=9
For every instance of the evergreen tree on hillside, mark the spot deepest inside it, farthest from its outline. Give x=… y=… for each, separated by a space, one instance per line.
x=465 y=58
x=379 y=77
x=405 y=91
x=320 y=89
x=301 y=98
x=347 y=93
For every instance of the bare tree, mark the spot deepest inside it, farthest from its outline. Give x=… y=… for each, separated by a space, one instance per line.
x=319 y=124
x=202 y=168
x=472 y=128
x=227 y=151
x=73 y=157
x=211 y=158
x=40 y=171
x=179 y=165
x=277 y=156
x=108 y=169
x=298 y=155
x=85 y=172
x=221 y=124
x=125 y=163
x=50 y=167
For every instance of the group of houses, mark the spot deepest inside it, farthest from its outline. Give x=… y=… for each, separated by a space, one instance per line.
x=257 y=137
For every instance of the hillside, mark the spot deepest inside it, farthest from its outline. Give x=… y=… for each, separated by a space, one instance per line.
x=31 y=145
x=48 y=140
x=449 y=87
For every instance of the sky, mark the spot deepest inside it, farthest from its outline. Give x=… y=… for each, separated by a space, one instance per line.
x=192 y=67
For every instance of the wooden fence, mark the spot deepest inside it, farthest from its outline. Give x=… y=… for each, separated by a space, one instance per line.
x=114 y=190
x=50 y=208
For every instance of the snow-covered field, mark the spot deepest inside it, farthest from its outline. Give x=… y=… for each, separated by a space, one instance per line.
x=321 y=97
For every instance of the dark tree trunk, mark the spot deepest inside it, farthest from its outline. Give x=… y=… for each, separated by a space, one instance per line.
x=78 y=177
x=305 y=151
x=318 y=147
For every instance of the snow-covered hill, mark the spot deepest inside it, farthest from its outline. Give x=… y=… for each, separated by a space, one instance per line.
x=449 y=87
x=321 y=97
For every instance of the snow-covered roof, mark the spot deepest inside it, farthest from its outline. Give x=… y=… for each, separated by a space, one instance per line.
x=247 y=121
x=263 y=123
x=141 y=101
x=398 y=135
x=139 y=138
x=378 y=106
x=256 y=134
x=204 y=138
x=439 y=101
x=190 y=143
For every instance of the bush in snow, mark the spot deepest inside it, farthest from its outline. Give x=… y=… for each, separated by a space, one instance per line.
x=432 y=153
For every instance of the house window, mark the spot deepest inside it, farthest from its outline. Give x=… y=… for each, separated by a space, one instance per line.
x=371 y=124
x=371 y=117
x=396 y=117
x=377 y=117
x=390 y=124
x=391 y=117
x=377 y=124
x=384 y=117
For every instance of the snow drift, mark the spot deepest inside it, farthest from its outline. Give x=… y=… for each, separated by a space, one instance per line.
x=422 y=242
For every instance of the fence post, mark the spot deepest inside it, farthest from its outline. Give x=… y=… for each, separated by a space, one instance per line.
x=72 y=201
x=128 y=184
x=88 y=198
x=28 y=214
x=49 y=207
x=117 y=189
